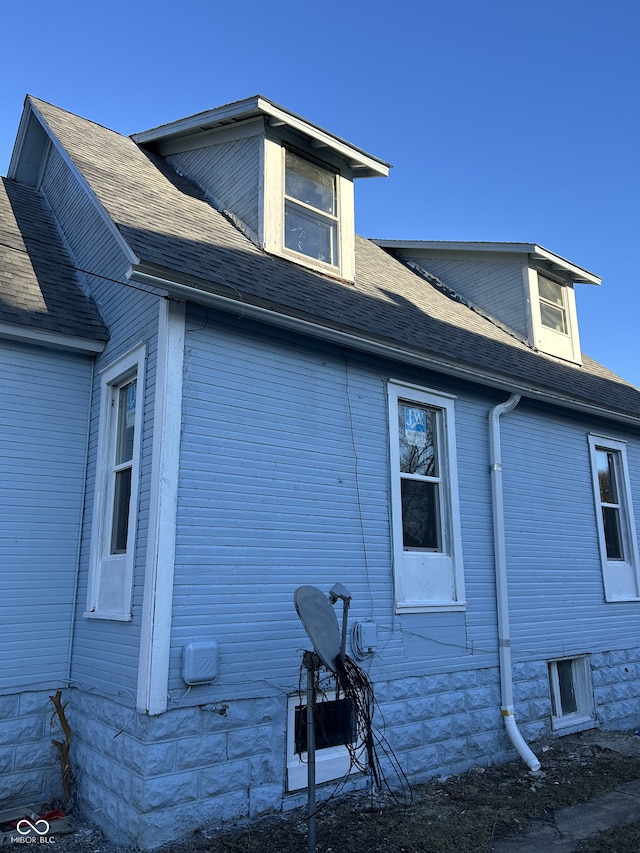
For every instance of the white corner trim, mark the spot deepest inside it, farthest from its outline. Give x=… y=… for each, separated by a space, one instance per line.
x=157 y=602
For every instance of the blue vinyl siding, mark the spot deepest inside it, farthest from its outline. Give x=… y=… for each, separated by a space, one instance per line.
x=44 y=406
x=285 y=481
x=555 y=578
x=105 y=654
x=228 y=172
x=496 y=287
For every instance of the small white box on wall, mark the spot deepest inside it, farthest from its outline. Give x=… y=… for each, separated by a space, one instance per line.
x=200 y=662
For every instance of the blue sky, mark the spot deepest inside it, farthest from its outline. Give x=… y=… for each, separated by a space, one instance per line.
x=504 y=121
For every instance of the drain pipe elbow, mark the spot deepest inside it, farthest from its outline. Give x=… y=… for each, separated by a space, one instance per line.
x=518 y=741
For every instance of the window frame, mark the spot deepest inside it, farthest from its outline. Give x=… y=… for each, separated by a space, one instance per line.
x=621 y=576
x=111 y=574
x=415 y=569
x=582 y=690
x=272 y=223
x=561 y=308
x=561 y=344
x=332 y=762
x=314 y=213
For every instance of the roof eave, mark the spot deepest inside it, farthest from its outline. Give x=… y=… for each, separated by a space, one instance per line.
x=364 y=165
x=186 y=289
x=55 y=340
x=535 y=252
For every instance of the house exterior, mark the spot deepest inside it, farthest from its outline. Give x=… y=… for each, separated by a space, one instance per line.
x=240 y=396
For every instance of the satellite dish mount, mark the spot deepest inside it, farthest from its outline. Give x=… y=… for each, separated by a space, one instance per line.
x=321 y=624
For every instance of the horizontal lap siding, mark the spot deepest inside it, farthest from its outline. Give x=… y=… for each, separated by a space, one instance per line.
x=555 y=580
x=105 y=654
x=267 y=496
x=44 y=404
x=497 y=287
x=272 y=496
x=228 y=172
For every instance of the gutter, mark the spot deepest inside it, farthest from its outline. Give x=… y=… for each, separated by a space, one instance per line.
x=190 y=291
x=502 y=594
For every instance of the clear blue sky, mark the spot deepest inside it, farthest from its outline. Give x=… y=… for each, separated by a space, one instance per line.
x=506 y=120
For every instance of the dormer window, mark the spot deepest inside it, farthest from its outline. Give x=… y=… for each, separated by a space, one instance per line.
x=553 y=317
x=553 y=309
x=310 y=210
x=286 y=184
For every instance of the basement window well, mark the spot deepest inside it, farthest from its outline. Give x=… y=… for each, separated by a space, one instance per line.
x=571 y=692
x=335 y=727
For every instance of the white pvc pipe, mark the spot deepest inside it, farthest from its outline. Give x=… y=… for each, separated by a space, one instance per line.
x=502 y=596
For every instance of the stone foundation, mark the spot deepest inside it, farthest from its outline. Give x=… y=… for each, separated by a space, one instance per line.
x=29 y=766
x=148 y=780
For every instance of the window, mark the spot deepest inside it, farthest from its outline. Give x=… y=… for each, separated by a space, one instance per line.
x=553 y=316
x=310 y=210
x=425 y=515
x=553 y=312
x=614 y=517
x=571 y=693
x=334 y=725
x=115 y=504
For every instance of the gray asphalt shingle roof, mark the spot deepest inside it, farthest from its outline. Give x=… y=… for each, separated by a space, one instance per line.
x=169 y=225
x=39 y=287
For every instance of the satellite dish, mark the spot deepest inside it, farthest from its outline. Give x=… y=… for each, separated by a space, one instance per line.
x=320 y=622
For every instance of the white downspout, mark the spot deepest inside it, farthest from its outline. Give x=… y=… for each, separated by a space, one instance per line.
x=502 y=596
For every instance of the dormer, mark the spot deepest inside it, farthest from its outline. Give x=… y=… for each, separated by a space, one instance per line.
x=286 y=183
x=522 y=286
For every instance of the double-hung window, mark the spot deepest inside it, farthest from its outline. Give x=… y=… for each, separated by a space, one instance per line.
x=614 y=518
x=553 y=310
x=115 y=500
x=310 y=210
x=425 y=515
x=553 y=317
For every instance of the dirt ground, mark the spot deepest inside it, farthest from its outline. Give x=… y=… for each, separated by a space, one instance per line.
x=462 y=814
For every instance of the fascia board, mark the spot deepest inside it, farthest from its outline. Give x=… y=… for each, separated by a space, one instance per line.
x=241 y=308
x=365 y=165
x=28 y=334
x=131 y=257
x=20 y=137
x=577 y=274
x=455 y=246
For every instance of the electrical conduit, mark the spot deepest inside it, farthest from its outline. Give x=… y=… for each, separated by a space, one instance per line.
x=502 y=596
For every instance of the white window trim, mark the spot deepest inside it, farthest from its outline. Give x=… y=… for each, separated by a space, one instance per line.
x=581 y=675
x=410 y=567
x=621 y=577
x=103 y=567
x=272 y=227
x=331 y=763
x=560 y=344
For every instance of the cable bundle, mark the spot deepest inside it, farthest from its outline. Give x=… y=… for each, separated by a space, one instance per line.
x=354 y=684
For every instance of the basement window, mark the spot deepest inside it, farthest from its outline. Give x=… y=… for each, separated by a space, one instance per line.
x=334 y=725
x=571 y=692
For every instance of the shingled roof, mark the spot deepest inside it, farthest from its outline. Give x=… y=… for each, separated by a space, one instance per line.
x=39 y=288
x=175 y=233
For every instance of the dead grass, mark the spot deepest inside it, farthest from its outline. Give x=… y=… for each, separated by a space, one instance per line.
x=463 y=814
